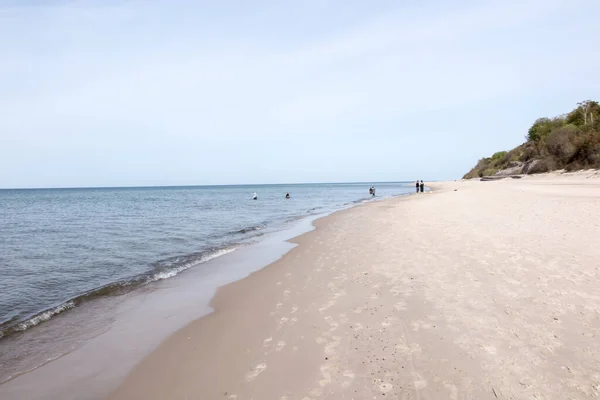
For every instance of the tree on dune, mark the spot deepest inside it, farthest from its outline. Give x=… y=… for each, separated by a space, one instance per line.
x=570 y=141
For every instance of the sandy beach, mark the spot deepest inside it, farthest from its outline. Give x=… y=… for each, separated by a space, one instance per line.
x=477 y=290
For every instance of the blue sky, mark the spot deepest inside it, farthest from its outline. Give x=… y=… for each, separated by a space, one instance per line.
x=111 y=93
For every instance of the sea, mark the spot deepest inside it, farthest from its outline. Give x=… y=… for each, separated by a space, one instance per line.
x=70 y=258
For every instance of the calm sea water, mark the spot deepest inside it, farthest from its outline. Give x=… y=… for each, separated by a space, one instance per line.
x=61 y=248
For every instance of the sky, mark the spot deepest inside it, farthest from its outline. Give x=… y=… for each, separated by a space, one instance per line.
x=137 y=93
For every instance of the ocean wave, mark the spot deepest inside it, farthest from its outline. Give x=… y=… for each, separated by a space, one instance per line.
x=45 y=316
x=204 y=257
x=249 y=229
x=363 y=200
x=162 y=270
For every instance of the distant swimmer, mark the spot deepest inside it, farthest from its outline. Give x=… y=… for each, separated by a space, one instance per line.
x=287 y=195
x=255 y=197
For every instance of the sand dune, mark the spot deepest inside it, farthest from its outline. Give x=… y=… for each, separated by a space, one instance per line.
x=478 y=290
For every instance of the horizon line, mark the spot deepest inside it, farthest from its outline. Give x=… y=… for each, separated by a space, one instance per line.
x=201 y=185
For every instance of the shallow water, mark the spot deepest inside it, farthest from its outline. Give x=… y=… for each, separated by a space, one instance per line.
x=65 y=252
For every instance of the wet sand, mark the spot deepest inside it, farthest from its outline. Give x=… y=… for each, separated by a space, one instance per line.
x=101 y=342
x=478 y=290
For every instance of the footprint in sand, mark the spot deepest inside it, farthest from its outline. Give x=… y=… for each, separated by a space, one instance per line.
x=326 y=376
x=331 y=346
x=267 y=341
x=415 y=326
x=349 y=375
x=490 y=349
x=334 y=325
x=419 y=382
x=396 y=290
x=386 y=387
x=452 y=389
x=257 y=371
x=280 y=345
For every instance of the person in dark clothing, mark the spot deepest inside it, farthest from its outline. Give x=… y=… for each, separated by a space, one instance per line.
x=417 y=186
x=422 y=186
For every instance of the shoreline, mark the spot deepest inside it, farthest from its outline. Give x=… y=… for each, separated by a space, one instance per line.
x=133 y=282
x=172 y=302
x=225 y=296
x=406 y=298
x=217 y=303
x=52 y=380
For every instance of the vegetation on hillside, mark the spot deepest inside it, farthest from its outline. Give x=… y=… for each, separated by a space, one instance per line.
x=570 y=141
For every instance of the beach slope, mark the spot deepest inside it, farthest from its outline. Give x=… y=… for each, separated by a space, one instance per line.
x=478 y=290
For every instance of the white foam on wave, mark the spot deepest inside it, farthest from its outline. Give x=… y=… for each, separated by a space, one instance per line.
x=45 y=316
x=172 y=272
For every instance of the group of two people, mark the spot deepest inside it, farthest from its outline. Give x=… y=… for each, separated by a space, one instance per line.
x=420 y=186
x=255 y=196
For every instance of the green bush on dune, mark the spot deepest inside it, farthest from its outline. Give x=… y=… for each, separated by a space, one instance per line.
x=570 y=141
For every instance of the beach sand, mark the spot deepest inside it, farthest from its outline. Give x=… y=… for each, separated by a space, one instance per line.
x=477 y=290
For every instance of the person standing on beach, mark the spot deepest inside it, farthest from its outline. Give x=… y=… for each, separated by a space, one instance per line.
x=422 y=186
x=417 y=185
